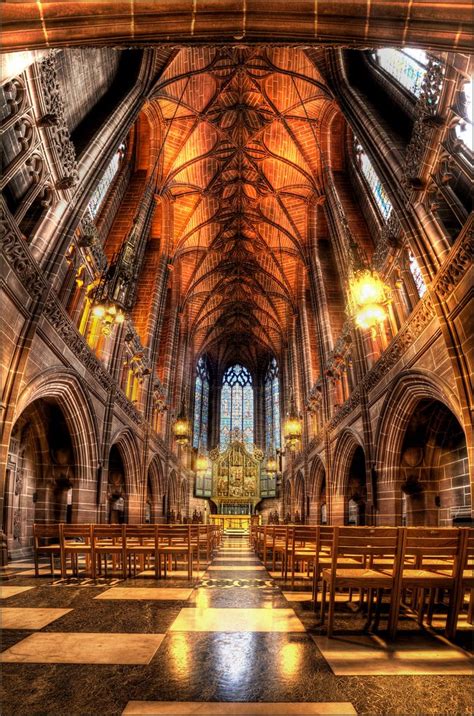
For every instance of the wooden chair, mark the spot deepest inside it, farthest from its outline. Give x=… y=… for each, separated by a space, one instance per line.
x=108 y=541
x=175 y=541
x=301 y=547
x=364 y=542
x=75 y=540
x=464 y=583
x=141 y=541
x=432 y=561
x=274 y=544
x=323 y=560
x=42 y=536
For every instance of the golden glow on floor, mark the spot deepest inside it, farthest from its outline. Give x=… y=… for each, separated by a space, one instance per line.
x=237 y=620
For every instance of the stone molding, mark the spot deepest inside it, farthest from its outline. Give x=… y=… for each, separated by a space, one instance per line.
x=426 y=123
x=17 y=255
x=458 y=263
x=56 y=127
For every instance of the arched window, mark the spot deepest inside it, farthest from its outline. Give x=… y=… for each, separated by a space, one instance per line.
x=375 y=185
x=236 y=405
x=407 y=66
x=464 y=128
x=201 y=405
x=105 y=181
x=272 y=407
x=416 y=273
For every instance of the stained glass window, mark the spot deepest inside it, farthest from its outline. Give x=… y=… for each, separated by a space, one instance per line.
x=201 y=405
x=407 y=66
x=272 y=407
x=464 y=129
x=380 y=195
x=105 y=181
x=236 y=405
x=417 y=275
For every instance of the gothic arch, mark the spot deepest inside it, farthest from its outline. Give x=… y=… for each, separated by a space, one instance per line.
x=173 y=492
x=346 y=445
x=155 y=488
x=299 y=496
x=407 y=390
x=412 y=394
x=66 y=389
x=126 y=443
x=315 y=489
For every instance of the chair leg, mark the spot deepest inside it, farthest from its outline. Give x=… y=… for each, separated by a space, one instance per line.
x=421 y=607
x=36 y=564
x=63 y=564
x=323 y=602
x=370 y=604
x=470 y=611
x=331 y=610
x=431 y=606
x=378 y=610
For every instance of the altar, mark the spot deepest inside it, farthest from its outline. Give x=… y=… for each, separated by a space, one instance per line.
x=231 y=523
x=235 y=486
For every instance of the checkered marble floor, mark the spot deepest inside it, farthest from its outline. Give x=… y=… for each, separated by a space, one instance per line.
x=229 y=641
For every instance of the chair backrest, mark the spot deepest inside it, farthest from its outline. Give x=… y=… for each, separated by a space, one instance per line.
x=75 y=532
x=468 y=556
x=367 y=542
x=324 y=537
x=433 y=543
x=303 y=534
x=174 y=533
x=140 y=532
x=45 y=531
x=108 y=534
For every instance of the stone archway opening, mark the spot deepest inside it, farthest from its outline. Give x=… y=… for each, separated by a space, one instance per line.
x=356 y=489
x=299 y=514
x=116 y=488
x=41 y=473
x=434 y=473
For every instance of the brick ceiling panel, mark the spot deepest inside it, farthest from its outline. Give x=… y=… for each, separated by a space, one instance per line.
x=241 y=134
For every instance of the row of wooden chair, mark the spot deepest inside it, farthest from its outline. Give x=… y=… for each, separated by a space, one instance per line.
x=124 y=547
x=409 y=562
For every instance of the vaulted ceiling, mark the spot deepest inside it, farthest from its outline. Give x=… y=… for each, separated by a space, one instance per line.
x=241 y=131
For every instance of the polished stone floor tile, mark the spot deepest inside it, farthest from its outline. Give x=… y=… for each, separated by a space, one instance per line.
x=243 y=568
x=239 y=598
x=410 y=654
x=174 y=574
x=71 y=648
x=235 y=559
x=6 y=591
x=146 y=593
x=29 y=618
x=237 y=620
x=203 y=708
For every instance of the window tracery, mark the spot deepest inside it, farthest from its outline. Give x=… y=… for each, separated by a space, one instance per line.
x=201 y=405
x=382 y=201
x=106 y=180
x=407 y=66
x=464 y=128
x=272 y=407
x=417 y=275
x=237 y=405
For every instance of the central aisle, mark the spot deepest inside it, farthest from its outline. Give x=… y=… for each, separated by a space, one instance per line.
x=242 y=642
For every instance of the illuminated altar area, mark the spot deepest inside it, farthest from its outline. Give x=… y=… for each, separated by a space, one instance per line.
x=236 y=476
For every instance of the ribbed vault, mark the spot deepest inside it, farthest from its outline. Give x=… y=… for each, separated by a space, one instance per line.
x=240 y=160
